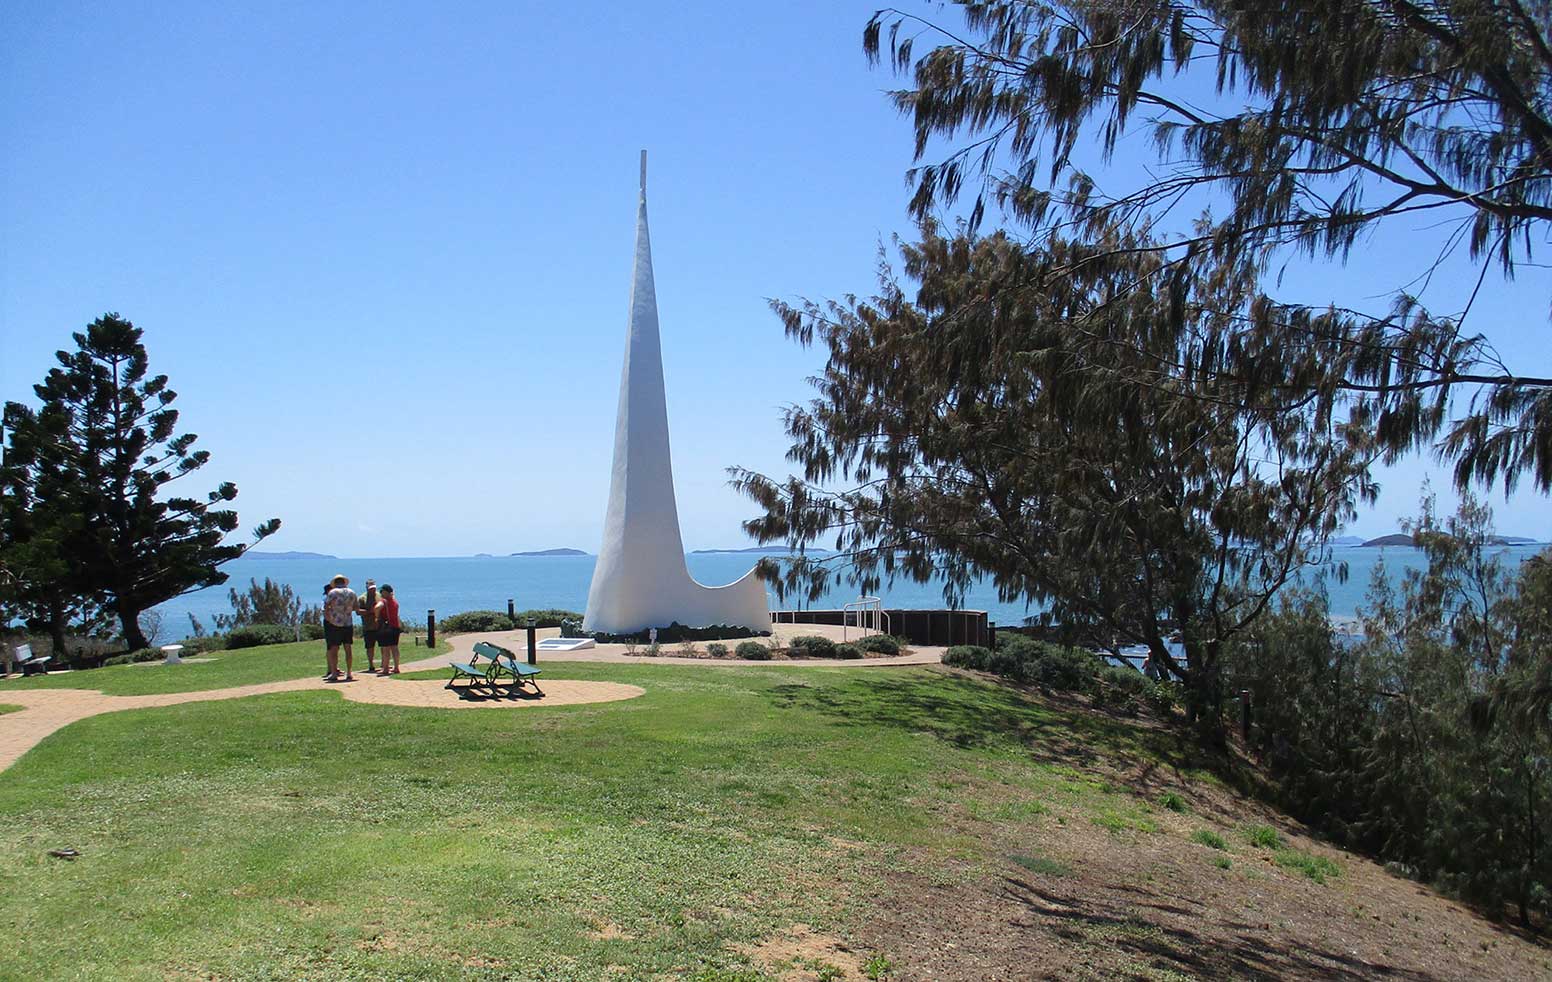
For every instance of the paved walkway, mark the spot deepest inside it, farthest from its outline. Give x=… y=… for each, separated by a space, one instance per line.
x=47 y=710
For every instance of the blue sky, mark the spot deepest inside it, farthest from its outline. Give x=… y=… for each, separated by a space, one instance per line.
x=383 y=251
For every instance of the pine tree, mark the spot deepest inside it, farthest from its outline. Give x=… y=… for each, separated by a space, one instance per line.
x=107 y=432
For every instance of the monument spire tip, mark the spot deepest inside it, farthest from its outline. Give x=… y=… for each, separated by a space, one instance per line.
x=643 y=172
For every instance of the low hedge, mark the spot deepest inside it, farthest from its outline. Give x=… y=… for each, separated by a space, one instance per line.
x=811 y=646
x=676 y=632
x=253 y=635
x=131 y=657
x=848 y=651
x=471 y=621
x=1064 y=669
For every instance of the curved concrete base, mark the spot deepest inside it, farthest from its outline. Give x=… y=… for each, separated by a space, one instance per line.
x=674 y=596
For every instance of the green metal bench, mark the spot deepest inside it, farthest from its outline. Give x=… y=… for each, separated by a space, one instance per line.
x=498 y=662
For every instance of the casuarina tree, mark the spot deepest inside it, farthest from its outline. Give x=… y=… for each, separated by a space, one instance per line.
x=1077 y=445
x=106 y=432
x=1269 y=132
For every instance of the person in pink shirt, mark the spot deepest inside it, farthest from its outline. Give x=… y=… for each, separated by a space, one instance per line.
x=388 y=629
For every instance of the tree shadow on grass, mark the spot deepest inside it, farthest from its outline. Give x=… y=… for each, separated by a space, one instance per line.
x=1221 y=948
x=974 y=715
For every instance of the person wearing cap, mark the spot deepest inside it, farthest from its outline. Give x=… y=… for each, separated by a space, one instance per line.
x=366 y=607
x=338 y=628
x=388 y=631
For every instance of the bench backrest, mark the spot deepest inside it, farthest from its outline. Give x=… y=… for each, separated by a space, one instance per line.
x=24 y=652
x=492 y=651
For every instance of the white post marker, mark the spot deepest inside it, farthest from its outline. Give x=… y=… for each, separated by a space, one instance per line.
x=172 y=651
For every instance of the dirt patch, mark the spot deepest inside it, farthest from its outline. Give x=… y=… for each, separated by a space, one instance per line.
x=609 y=931
x=1067 y=896
x=799 y=954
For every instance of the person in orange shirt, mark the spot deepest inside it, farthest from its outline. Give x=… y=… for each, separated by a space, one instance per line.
x=388 y=630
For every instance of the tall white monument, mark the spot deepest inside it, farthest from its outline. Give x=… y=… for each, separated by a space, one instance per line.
x=641 y=580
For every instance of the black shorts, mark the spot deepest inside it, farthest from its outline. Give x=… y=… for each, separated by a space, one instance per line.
x=369 y=636
x=387 y=637
x=335 y=635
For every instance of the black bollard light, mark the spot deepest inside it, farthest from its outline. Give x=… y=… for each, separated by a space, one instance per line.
x=533 y=644
x=511 y=610
x=431 y=629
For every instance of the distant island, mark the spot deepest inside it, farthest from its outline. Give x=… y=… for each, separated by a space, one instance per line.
x=1398 y=539
x=288 y=555
x=1402 y=539
x=762 y=550
x=552 y=552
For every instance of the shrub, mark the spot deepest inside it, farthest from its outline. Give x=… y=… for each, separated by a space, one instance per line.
x=253 y=635
x=848 y=651
x=1023 y=659
x=811 y=646
x=753 y=651
x=471 y=621
x=312 y=632
x=1263 y=837
x=717 y=649
x=198 y=646
x=971 y=656
x=138 y=655
x=881 y=644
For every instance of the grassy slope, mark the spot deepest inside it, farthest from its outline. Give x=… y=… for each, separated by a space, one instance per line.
x=303 y=835
x=245 y=666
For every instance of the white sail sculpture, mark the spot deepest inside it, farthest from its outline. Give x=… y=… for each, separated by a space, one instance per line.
x=641 y=580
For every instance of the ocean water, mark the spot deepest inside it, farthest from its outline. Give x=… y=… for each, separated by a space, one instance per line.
x=451 y=585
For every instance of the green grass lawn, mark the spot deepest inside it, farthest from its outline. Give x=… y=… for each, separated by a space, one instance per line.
x=244 y=666
x=300 y=834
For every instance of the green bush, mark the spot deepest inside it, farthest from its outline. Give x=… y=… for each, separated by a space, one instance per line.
x=138 y=655
x=881 y=644
x=198 y=646
x=312 y=632
x=1263 y=837
x=549 y=617
x=471 y=621
x=1172 y=801
x=971 y=656
x=811 y=646
x=753 y=651
x=717 y=650
x=253 y=635
x=848 y=651
x=1023 y=659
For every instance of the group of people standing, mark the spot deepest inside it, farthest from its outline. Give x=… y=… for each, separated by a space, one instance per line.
x=380 y=628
